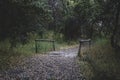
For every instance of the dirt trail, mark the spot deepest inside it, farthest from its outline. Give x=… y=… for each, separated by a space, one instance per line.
x=57 y=65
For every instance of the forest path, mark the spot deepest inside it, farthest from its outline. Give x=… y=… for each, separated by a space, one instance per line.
x=56 y=65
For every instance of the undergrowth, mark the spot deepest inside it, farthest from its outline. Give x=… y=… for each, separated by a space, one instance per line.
x=100 y=62
x=10 y=57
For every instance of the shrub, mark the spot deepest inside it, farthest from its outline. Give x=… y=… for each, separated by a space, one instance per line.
x=102 y=61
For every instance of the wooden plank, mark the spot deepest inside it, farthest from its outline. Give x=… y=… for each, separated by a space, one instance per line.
x=54 y=45
x=46 y=40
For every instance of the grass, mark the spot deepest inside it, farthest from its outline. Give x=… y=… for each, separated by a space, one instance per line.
x=9 y=57
x=100 y=62
x=44 y=47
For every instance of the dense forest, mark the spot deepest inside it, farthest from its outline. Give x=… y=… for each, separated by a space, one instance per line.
x=72 y=18
x=23 y=21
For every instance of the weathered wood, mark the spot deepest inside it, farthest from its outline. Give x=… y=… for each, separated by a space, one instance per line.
x=44 y=40
x=54 y=45
x=80 y=44
x=36 y=50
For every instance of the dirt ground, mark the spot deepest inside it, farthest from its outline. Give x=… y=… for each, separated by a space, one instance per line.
x=56 y=65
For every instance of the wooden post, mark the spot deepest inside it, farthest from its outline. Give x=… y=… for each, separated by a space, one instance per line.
x=80 y=45
x=36 y=46
x=54 y=45
x=79 y=49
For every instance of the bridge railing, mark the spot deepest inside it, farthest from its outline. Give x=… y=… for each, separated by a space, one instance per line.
x=81 y=42
x=44 y=40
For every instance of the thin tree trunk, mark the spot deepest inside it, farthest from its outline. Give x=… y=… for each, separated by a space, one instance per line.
x=116 y=25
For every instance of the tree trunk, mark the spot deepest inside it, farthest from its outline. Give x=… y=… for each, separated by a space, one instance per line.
x=114 y=37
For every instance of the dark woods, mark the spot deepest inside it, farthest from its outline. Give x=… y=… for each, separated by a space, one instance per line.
x=71 y=18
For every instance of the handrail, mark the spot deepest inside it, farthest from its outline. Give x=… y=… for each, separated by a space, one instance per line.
x=48 y=40
x=45 y=40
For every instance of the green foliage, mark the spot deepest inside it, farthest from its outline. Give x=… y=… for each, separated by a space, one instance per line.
x=70 y=18
x=8 y=57
x=18 y=18
x=110 y=20
x=5 y=46
x=44 y=47
x=83 y=21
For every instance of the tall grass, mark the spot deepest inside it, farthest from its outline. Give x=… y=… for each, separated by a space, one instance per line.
x=8 y=57
x=100 y=62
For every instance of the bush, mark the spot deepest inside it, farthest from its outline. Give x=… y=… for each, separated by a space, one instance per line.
x=101 y=59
